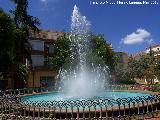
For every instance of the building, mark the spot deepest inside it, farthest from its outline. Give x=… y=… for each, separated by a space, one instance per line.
x=122 y=59
x=122 y=63
x=154 y=48
x=138 y=55
x=40 y=74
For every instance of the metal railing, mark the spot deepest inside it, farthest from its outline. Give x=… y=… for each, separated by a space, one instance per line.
x=11 y=107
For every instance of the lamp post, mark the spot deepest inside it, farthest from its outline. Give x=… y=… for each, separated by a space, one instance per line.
x=33 y=71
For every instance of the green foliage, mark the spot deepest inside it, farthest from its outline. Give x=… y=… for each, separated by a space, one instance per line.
x=1 y=76
x=149 y=73
x=124 y=77
x=61 y=52
x=22 y=18
x=157 y=67
x=7 y=37
x=103 y=50
x=136 y=68
x=24 y=24
x=100 y=52
x=21 y=71
x=146 y=67
x=14 y=45
x=142 y=65
x=156 y=89
x=128 y=82
x=132 y=68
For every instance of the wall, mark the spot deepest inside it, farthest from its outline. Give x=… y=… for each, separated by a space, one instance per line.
x=37 y=60
x=155 y=49
x=37 y=75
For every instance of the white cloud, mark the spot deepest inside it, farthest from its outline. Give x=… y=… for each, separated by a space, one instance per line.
x=136 y=37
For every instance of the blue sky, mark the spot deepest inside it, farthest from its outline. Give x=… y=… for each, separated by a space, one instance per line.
x=130 y=28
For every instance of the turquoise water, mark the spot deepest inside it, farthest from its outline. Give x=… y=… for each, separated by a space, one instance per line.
x=55 y=96
x=101 y=99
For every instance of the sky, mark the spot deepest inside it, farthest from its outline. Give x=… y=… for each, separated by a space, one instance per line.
x=130 y=27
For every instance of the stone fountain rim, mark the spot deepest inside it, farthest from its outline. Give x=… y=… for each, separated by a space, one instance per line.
x=152 y=94
x=110 y=109
x=134 y=91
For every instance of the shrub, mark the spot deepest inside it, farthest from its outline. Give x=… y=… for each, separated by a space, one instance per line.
x=156 y=89
x=128 y=82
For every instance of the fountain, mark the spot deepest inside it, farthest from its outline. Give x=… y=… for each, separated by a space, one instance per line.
x=83 y=78
x=83 y=86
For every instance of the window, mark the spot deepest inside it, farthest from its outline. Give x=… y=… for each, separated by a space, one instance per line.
x=47 y=81
x=37 y=60
x=37 y=45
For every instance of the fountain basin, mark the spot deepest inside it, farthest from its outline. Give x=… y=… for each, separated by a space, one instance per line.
x=100 y=100
x=107 y=103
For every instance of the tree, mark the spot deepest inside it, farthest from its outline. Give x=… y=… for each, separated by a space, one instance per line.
x=7 y=46
x=146 y=67
x=61 y=52
x=24 y=24
x=127 y=74
x=99 y=53
x=132 y=68
x=149 y=74
x=9 y=65
x=104 y=50
x=14 y=45
x=157 y=68
x=142 y=65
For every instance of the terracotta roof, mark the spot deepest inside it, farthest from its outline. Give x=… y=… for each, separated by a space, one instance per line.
x=137 y=55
